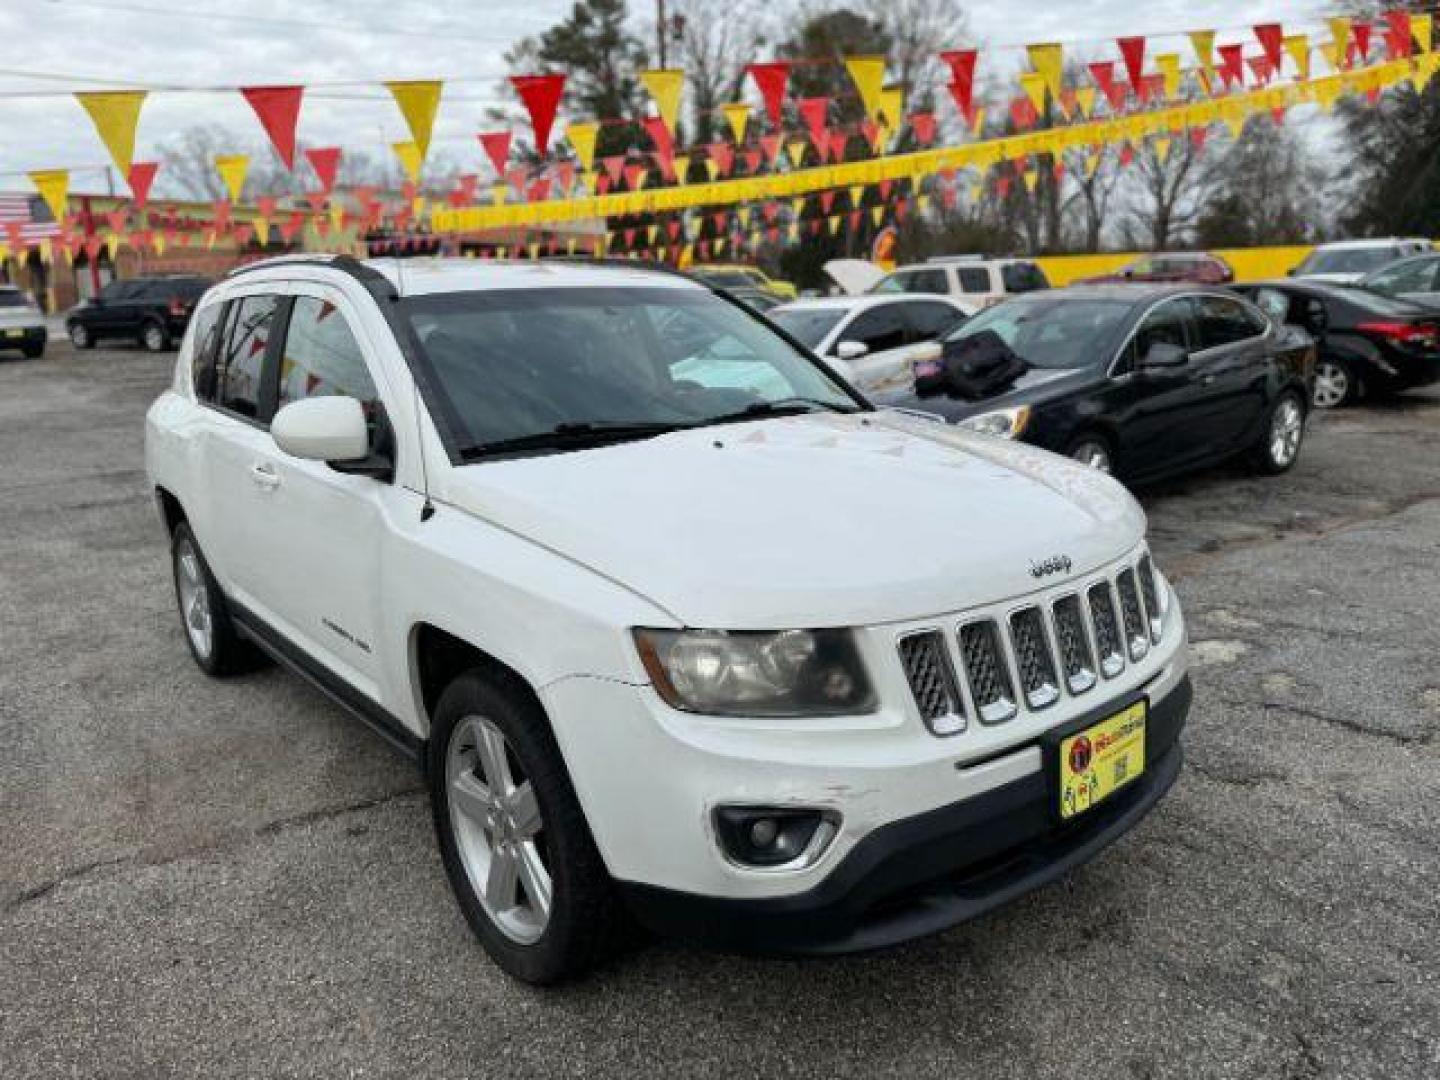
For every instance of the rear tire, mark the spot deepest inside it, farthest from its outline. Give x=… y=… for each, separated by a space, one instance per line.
x=1279 y=446
x=154 y=337
x=81 y=337
x=1093 y=449
x=1335 y=384
x=512 y=837
x=33 y=352
x=209 y=631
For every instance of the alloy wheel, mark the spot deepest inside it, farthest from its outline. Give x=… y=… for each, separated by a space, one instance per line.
x=194 y=599
x=1285 y=432
x=499 y=830
x=79 y=337
x=153 y=338
x=1332 y=384
x=1093 y=453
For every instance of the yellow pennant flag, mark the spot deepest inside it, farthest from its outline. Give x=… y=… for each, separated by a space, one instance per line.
x=54 y=187
x=1033 y=83
x=792 y=232
x=1421 y=27
x=418 y=101
x=796 y=149
x=157 y=243
x=1048 y=60
x=116 y=116
x=978 y=124
x=112 y=245
x=665 y=85
x=1092 y=163
x=1162 y=149
x=1203 y=42
x=868 y=73
x=743 y=217
x=857 y=193
x=712 y=167
x=877 y=215
x=337 y=216
x=892 y=107
x=1085 y=98
x=834 y=223
x=232 y=169
x=1339 y=40
x=582 y=138
x=411 y=159
x=720 y=246
x=650 y=233
x=262 y=230
x=682 y=168
x=1031 y=179
x=737 y=115
x=1169 y=65
x=1298 y=46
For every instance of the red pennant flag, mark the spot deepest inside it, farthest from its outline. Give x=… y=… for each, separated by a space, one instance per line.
x=839 y=143
x=633 y=175
x=1277 y=114
x=1360 y=31
x=814 y=226
x=723 y=155
x=947 y=197
x=278 y=108
x=672 y=227
x=871 y=130
x=815 y=111
x=93 y=245
x=316 y=199
x=613 y=166
x=923 y=124
x=564 y=176
x=116 y=219
x=661 y=140
x=292 y=225
x=541 y=96
x=1127 y=154
x=142 y=175
x=854 y=221
x=827 y=200
x=242 y=234
x=885 y=185
x=1002 y=186
x=718 y=219
x=771 y=78
x=497 y=148
x=1022 y=113
x=1154 y=87
x=771 y=145
x=465 y=187
x=1103 y=74
x=629 y=238
x=1260 y=68
x=1232 y=65
x=771 y=210
x=326 y=163
x=602 y=184
x=1399 y=37
x=1272 y=40
x=902 y=210
x=962 y=76
x=539 y=191
x=752 y=161
x=266 y=205
x=1132 y=51
x=222 y=214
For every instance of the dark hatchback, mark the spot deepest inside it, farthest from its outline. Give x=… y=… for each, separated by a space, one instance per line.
x=1144 y=381
x=153 y=311
x=1369 y=343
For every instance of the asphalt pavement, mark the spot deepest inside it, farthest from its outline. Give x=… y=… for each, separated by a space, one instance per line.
x=219 y=879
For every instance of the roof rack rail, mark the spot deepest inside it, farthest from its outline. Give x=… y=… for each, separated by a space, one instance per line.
x=302 y=259
x=613 y=261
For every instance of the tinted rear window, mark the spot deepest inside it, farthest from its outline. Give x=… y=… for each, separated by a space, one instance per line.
x=1377 y=304
x=1348 y=260
x=11 y=298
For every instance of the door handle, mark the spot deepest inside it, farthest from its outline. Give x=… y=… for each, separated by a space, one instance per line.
x=264 y=476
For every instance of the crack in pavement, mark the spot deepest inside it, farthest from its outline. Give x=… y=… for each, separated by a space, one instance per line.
x=270 y=828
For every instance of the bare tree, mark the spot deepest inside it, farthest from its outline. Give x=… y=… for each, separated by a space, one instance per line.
x=1168 y=190
x=919 y=30
x=716 y=42
x=1093 y=196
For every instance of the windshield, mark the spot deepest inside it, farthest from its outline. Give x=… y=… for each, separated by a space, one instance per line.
x=1346 y=260
x=807 y=325
x=12 y=298
x=522 y=364
x=1054 y=331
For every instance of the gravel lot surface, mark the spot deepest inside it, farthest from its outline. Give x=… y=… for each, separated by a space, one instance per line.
x=234 y=879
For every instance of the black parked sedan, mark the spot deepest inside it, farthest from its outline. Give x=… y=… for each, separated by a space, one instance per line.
x=1144 y=381
x=1368 y=343
x=153 y=311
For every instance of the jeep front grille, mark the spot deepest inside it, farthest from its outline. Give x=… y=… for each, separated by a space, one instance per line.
x=932 y=680
x=988 y=672
x=1031 y=657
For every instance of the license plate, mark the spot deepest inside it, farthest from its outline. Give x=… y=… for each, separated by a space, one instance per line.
x=1102 y=759
x=14 y=333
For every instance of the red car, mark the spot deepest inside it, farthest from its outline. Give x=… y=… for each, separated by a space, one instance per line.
x=1199 y=268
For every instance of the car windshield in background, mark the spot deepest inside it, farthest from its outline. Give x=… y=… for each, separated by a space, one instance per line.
x=1346 y=260
x=726 y=279
x=9 y=298
x=807 y=325
x=1052 y=331
x=1379 y=304
x=556 y=368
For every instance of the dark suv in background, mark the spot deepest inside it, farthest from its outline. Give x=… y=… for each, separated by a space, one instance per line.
x=153 y=311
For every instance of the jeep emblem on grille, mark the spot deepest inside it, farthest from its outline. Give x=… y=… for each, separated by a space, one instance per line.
x=1056 y=564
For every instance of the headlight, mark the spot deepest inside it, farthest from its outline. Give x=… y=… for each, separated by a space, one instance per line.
x=1006 y=423
x=762 y=673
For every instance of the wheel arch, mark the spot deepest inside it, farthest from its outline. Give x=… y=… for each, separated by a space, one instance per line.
x=171 y=512
x=437 y=657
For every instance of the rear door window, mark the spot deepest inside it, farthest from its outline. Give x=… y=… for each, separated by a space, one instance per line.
x=929 y=321
x=1023 y=277
x=973 y=279
x=241 y=368
x=926 y=281
x=1222 y=321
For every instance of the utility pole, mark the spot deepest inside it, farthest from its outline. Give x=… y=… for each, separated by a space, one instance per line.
x=662 y=30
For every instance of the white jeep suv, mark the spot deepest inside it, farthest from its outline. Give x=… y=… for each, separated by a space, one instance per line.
x=678 y=627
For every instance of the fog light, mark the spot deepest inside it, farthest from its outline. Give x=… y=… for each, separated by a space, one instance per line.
x=774 y=836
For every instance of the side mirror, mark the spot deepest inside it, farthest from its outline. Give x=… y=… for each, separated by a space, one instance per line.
x=851 y=350
x=1163 y=355
x=322 y=429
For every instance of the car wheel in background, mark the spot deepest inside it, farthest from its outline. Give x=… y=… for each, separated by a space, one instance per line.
x=80 y=336
x=1279 y=447
x=33 y=352
x=1093 y=450
x=154 y=337
x=1334 y=384
x=217 y=648
x=512 y=836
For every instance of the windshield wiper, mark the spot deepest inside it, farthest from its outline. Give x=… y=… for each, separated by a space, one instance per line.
x=792 y=406
x=573 y=435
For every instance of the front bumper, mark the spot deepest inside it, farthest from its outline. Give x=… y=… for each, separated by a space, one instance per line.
x=22 y=337
x=923 y=874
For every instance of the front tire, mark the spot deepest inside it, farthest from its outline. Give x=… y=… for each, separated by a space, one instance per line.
x=1279 y=447
x=513 y=839
x=33 y=352
x=81 y=337
x=209 y=632
x=154 y=338
x=1093 y=450
x=1334 y=384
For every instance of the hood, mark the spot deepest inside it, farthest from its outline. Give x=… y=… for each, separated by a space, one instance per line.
x=854 y=276
x=809 y=521
x=1035 y=385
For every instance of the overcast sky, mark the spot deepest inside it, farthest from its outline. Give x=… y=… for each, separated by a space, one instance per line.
x=111 y=43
